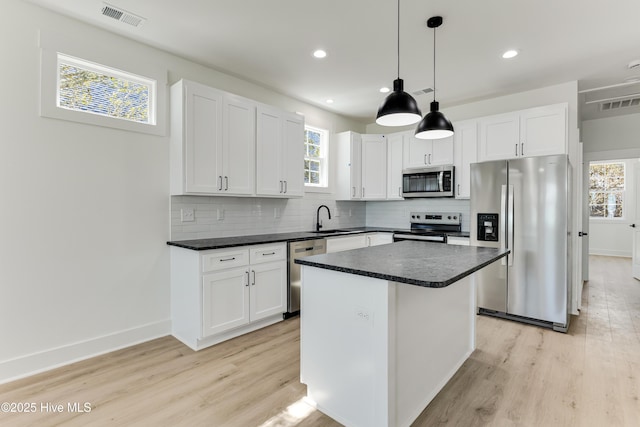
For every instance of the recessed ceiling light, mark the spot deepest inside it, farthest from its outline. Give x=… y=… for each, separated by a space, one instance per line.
x=329 y=101
x=384 y=89
x=320 y=53
x=510 y=54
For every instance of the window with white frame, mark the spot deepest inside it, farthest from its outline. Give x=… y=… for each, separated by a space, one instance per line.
x=315 y=157
x=97 y=89
x=607 y=190
x=90 y=84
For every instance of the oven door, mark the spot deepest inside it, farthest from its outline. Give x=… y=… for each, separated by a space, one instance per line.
x=428 y=182
x=438 y=238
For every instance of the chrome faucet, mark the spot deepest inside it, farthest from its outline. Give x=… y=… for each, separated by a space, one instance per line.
x=318 y=225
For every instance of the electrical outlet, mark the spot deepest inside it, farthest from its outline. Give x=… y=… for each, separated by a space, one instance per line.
x=276 y=213
x=187 y=215
x=362 y=314
x=220 y=214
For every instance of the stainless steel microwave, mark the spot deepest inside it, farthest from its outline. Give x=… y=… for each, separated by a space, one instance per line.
x=428 y=182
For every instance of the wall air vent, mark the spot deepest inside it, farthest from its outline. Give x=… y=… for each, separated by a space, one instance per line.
x=422 y=91
x=621 y=103
x=122 y=15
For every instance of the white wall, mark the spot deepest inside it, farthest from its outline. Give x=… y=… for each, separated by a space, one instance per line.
x=614 y=133
x=84 y=266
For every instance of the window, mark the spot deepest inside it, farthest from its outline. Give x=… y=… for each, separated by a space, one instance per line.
x=128 y=93
x=315 y=157
x=606 y=190
x=96 y=89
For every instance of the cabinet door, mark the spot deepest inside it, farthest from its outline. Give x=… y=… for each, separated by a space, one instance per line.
x=441 y=152
x=293 y=155
x=269 y=134
x=225 y=300
x=268 y=295
x=337 y=244
x=499 y=137
x=202 y=139
x=416 y=151
x=394 y=167
x=543 y=131
x=466 y=152
x=238 y=149
x=376 y=239
x=374 y=167
x=355 y=168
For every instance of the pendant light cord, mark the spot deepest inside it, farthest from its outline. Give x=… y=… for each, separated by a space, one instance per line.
x=434 y=63
x=398 y=38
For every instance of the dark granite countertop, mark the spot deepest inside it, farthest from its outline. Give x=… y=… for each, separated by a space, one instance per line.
x=420 y=263
x=257 y=239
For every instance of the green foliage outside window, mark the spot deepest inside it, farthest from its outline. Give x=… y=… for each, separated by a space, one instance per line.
x=312 y=157
x=606 y=190
x=85 y=90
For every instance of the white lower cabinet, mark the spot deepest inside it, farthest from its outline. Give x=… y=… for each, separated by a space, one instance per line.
x=223 y=293
x=345 y=243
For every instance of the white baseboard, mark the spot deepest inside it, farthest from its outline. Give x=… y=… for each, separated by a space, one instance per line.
x=30 y=364
x=609 y=252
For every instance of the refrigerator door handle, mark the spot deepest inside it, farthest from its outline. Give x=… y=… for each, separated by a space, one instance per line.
x=510 y=225
x=503 y=225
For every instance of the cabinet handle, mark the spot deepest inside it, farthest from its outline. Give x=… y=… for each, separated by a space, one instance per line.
x=354 y=192
x=226 y=183
x=247 y=284
x=522 y=149
x=363 y=192
x=429 y=158
x=220 y=183
x=399 y=191
x=268 y=253
x=281 y=187
x=253 y=283
x=458 y=189
x=516 y=150
x=425 y=159
x=228 y=259
x=285 y=187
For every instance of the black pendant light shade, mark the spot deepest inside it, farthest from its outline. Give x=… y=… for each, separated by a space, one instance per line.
x=399 y=108
x=434 y=125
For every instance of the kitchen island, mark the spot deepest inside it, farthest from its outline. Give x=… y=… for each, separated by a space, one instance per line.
x=384 y=328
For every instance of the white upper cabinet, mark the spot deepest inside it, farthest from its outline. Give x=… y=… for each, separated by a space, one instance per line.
x=238 y=148
x=537 y=131
x=212 y=141
x=280 y=153
x=394 y=166
x=422 y=153
x=374 y=167
x=348 y=147
x=465 y=149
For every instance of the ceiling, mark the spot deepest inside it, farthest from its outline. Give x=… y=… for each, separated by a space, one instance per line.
x=271 y=43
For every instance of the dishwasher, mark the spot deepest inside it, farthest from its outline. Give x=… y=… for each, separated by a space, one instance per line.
x=300 y=250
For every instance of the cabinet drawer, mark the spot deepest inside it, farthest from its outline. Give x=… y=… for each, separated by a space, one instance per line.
x=267 y=253
x=222 y=259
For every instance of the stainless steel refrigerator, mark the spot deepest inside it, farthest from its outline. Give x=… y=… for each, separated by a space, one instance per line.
x=524 y=205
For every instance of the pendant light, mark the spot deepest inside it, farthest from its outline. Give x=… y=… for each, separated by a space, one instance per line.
x=434 y=125
x=399 y=108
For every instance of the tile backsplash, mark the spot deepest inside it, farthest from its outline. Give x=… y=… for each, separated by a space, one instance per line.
x=237 y=216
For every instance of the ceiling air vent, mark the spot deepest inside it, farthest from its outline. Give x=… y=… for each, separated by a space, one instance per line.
x=422 y=92
x=122 y=15
x=620 y=103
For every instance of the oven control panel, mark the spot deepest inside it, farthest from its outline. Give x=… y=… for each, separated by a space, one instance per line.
x=445 y=218
x=488 y=227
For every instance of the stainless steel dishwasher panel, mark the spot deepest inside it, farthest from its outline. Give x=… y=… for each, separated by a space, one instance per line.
x=300 y=250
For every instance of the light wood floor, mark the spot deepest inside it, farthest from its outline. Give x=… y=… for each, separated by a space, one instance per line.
x=519 y=375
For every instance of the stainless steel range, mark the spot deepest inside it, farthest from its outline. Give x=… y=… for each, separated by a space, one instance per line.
x=431 y=226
